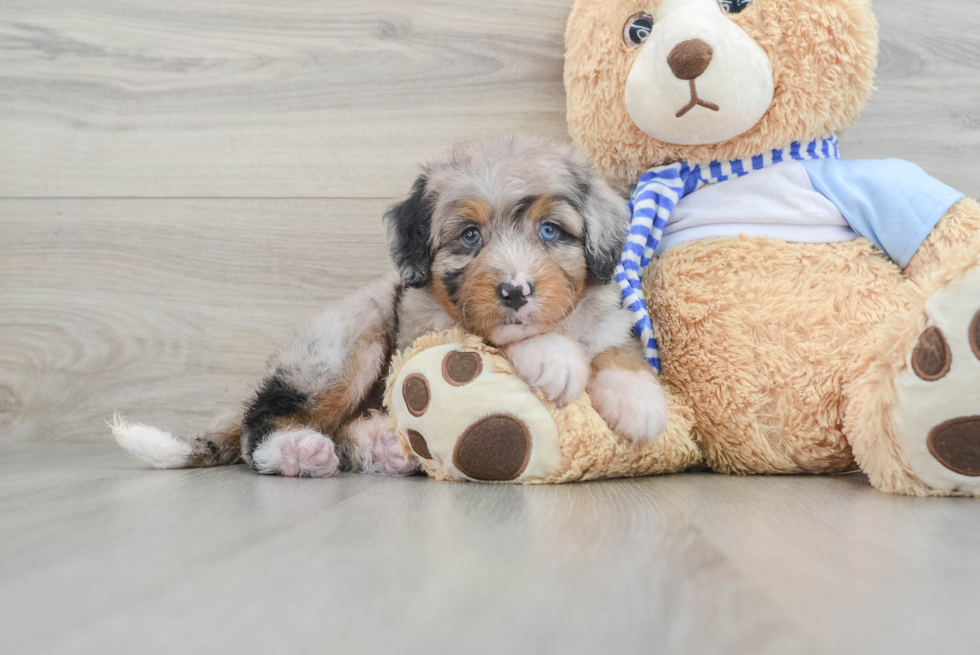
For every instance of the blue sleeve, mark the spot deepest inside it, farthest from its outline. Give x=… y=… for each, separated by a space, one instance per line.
x=892 y=203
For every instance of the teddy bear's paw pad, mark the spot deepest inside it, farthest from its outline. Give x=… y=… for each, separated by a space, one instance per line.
x=473 y=423
x=419 y=445
x=495 y=448
x=956 y=445
x=460 y=368
x=936 y=416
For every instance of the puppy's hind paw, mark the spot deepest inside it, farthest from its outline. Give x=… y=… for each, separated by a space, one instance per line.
x=387 y=456
x=296 y=454
x=632 y=403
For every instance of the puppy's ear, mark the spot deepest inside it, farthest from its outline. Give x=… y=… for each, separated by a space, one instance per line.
x=409 y=230
x=606 y=218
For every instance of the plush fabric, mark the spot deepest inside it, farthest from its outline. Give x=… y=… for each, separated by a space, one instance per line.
x=823 y=56
x=797 y=357
x=892 y=203
x=568 y=444
x=659 y=191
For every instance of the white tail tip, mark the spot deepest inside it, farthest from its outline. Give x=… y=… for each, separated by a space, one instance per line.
x=155 y=447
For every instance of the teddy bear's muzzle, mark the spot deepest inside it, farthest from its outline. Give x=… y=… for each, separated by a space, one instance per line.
x=699 y=78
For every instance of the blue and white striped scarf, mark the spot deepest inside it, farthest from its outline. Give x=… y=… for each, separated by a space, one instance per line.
x=652 y=202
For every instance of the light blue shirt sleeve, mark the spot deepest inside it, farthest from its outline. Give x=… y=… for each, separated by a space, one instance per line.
x=892 y=203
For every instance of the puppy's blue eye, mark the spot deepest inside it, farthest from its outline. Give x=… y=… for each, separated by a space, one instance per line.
x=471 y=237
x=549 y=232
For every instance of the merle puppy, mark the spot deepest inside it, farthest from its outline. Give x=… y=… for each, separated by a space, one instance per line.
x=513 y=239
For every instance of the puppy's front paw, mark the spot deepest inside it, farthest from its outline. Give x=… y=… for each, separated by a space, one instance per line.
x=632 y=403
x=552 y=363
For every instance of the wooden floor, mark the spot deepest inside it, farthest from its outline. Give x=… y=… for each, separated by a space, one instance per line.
x=181 y=181
x=98 y=556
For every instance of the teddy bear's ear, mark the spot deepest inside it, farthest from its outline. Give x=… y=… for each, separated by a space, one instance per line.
x=606 y=217
x=409 y=229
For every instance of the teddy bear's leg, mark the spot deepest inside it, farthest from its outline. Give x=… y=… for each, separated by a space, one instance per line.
x=466 y=415
x=913 y=406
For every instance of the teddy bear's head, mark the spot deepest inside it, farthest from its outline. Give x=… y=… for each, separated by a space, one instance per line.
x=651 y=82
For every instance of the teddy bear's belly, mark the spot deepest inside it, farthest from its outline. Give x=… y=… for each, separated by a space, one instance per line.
x=758 y=336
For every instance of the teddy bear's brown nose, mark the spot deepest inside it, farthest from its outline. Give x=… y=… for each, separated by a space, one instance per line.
x=689 y=59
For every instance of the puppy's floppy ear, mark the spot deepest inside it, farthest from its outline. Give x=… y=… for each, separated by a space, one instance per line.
x=409 y=230
x=606 y=218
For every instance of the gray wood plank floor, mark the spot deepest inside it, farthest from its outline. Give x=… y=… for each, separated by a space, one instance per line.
x=99 y=556
x=181 y=182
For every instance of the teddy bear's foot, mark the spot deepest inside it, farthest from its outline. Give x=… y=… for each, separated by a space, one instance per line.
x=937 y=416
x=467 y=421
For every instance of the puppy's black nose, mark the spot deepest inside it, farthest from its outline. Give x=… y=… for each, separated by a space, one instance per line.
x=513 y=295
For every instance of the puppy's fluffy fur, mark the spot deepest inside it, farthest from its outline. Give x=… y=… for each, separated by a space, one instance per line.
x=512 y=239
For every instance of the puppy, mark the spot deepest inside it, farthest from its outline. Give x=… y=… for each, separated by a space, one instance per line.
x=513 y=239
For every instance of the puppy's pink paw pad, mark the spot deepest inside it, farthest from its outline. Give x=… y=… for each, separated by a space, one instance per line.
x=387 y=456
x=297 y=454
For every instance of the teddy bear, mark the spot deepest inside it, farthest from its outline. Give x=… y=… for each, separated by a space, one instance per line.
x=808 y=313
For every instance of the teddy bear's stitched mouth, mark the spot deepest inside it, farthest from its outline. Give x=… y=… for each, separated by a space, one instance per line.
x=696 y=102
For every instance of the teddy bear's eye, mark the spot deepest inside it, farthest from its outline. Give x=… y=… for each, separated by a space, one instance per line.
x=637 y=29
x=734 y=6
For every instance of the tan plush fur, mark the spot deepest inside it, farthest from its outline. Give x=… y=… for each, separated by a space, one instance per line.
x=784 y=355
x=759 y=347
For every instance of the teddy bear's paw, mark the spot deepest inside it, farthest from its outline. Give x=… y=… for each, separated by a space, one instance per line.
x=632 y=403
x=937 y=416
x=552 y=363
x=470 y=422
x=296 y=454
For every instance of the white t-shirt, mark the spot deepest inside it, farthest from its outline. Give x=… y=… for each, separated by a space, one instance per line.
x=779 y=202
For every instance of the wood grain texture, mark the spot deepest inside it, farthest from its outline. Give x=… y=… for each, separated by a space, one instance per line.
x=305 y=98
x=311 y=98
x=926 y=108
x=100 y=556
x=163 y=309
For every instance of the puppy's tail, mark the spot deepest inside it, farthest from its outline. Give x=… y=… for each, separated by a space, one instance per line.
x=219 y=446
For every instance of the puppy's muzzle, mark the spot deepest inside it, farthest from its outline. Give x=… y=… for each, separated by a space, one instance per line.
x=514 y=296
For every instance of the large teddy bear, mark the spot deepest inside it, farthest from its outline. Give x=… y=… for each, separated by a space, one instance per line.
x=810 y=314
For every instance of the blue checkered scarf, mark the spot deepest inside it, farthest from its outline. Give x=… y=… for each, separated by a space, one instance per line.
x=652 y=202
